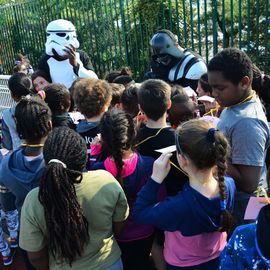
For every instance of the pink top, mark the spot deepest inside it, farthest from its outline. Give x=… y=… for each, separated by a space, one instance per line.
x=128 y=168
x=184 y=251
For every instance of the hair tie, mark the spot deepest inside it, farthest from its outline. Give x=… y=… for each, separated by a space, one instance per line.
x=211 y=135
x=223 y=205
x=54 y=160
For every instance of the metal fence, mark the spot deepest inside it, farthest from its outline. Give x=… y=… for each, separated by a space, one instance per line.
x=5 y=98
x=117 y=32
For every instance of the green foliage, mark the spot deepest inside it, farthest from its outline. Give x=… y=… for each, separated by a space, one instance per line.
x=117 y=32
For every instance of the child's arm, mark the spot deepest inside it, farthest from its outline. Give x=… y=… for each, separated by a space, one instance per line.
x=148 y=211
x=165 y=215
x=6 y=137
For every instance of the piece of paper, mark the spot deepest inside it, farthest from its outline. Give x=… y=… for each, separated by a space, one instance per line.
x=168 y=149
x=253 y=208
x=76 y=116
x=206 y=98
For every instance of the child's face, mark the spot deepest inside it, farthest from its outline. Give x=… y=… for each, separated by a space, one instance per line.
x=23 y=69
x=200 y=91
x=225 y=92
x=40 y=83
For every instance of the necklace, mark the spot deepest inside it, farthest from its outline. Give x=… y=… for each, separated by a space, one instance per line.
x=32 y=145
x=251 y=96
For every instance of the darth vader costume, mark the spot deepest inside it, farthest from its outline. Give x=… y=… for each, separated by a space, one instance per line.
x=56 y=64
x=172 y=63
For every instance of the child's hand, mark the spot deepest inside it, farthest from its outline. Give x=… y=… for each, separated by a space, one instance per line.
x=161 y=167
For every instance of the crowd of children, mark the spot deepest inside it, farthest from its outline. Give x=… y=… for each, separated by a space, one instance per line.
x=110 y=173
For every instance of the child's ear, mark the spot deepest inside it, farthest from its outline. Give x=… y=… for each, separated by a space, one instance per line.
x=169 y=104
x=183 y=161
x=245 y=82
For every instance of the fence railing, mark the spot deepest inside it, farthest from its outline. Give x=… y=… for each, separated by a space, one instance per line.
x=5 y=98
x=117 y=32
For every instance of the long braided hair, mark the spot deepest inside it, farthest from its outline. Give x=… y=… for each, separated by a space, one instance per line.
x=66 y=225
x=118 y=134
x=206 y=150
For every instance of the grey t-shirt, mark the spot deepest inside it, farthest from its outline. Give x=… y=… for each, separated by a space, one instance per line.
x=246 y=127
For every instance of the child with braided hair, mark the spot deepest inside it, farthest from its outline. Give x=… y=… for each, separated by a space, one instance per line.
x=71 y=219
x=21 y=169
x=196 y=219
x=132 y=171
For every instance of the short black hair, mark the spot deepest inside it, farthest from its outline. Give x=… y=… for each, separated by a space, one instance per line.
x=129 y=100
x=233 y=63
x=57 y=98
x=19 y=85
x=154 y=97
x=117 y=91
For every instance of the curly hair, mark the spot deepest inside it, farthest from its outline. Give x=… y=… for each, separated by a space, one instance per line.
x=91 y=95
x=66 y=225
x=57 y=98
x=205 y=153
x=32 y=116
x=118 y=134
x=233 y=63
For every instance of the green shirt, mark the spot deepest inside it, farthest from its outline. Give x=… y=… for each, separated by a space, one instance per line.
x=103 y=202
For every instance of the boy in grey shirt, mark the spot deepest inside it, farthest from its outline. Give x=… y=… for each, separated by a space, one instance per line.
x=243 y=122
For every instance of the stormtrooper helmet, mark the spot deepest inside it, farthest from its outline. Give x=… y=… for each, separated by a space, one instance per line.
x=60 y=33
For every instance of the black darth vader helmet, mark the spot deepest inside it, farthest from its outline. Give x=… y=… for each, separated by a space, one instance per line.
x=164 y=48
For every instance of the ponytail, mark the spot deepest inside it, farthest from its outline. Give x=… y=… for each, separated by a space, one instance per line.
x=65 y=155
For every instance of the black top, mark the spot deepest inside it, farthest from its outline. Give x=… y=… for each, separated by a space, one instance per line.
x=175 y=179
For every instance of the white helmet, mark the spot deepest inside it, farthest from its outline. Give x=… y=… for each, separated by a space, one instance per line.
x=60 y=33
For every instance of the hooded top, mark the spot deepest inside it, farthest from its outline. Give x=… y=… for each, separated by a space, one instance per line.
x=196 y=213
x=20 y=174
x=191 y=222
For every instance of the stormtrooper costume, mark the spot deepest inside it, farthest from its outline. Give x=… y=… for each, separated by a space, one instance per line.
x=55 y=63
x=172 y=63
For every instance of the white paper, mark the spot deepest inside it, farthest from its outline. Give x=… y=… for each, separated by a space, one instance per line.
x=206 y=98
x=168 y=149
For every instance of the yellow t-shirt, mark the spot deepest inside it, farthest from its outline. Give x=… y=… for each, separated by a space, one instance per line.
x=103 y=202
